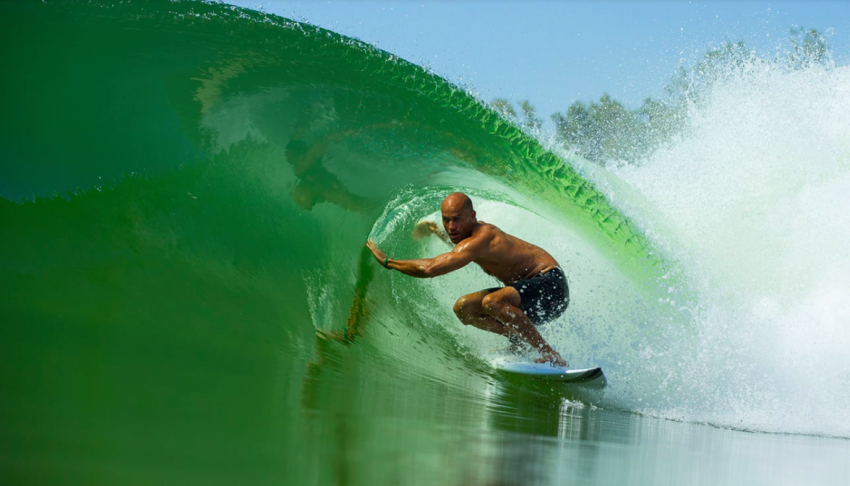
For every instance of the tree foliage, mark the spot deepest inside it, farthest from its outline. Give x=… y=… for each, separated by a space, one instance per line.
x=529 y=113
x=808 y=47
x=608 y=131
x=504 y=107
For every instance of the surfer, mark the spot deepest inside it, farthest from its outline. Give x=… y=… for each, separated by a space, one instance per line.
x=535 y=290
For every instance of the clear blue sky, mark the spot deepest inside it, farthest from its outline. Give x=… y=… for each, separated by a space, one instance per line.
x=556 y=52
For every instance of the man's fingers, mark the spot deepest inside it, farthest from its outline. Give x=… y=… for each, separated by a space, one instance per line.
x=374 y=249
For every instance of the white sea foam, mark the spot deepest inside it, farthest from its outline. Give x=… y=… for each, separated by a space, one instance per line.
x=754 y=200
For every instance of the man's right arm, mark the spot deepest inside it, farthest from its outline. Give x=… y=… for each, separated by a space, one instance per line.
x=464 y=253
x=432 y=267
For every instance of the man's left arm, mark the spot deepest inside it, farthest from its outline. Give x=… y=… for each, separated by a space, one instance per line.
x=424 y=228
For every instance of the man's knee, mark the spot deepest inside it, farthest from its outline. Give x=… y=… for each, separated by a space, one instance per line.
x=491 y=304
x=467 y=308
x=495 y=305
x=461 y=307
x=458 y=307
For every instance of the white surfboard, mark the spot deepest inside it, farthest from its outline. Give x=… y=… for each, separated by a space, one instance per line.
x=544 y=371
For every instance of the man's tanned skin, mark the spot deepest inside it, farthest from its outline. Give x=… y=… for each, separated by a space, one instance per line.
x=499 y=254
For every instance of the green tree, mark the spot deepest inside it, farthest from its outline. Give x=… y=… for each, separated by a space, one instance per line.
x=692 y=84
x=504 y=107
x=808 y=47
x=529 y=113
x=604 y=131
x=607 y=131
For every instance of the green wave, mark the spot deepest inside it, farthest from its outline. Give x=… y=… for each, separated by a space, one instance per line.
x=186 y=190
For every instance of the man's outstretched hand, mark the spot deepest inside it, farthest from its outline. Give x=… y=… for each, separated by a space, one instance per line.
x=376 y=252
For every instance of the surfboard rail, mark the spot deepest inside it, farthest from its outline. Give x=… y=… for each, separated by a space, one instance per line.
x=544 y=371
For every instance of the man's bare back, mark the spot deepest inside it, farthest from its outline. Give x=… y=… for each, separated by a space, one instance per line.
x=521 y=266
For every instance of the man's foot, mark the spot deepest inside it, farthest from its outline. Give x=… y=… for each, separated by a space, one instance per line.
x=552 y=358
x=517 y=346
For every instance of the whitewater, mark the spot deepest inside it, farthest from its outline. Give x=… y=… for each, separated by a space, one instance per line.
x=752 y=201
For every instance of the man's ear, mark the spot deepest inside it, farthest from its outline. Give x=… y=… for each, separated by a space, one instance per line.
x=473 y=215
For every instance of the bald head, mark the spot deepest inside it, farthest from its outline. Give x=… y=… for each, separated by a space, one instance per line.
x=458 y=216
x=457 y=201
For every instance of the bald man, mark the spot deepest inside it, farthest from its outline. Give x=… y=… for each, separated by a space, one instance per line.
x=535 y=290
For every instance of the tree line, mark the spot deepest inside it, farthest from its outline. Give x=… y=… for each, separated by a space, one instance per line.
x=607 y=130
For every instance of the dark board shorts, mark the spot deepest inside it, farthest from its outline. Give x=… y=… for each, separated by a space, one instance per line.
x=543 y=297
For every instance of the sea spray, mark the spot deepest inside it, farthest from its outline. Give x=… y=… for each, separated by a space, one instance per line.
x=753 y=197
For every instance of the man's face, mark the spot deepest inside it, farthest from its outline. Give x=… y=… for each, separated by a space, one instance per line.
x=457 y=222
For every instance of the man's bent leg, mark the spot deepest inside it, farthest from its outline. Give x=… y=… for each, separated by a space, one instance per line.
x=470 y=312
x=503 y=306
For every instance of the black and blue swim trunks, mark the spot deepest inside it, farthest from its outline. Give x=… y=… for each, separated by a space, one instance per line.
x=544 y=297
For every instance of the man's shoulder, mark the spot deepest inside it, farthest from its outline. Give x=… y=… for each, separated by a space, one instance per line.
x=484 y=236
x=493 y=232
x=486 y=231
